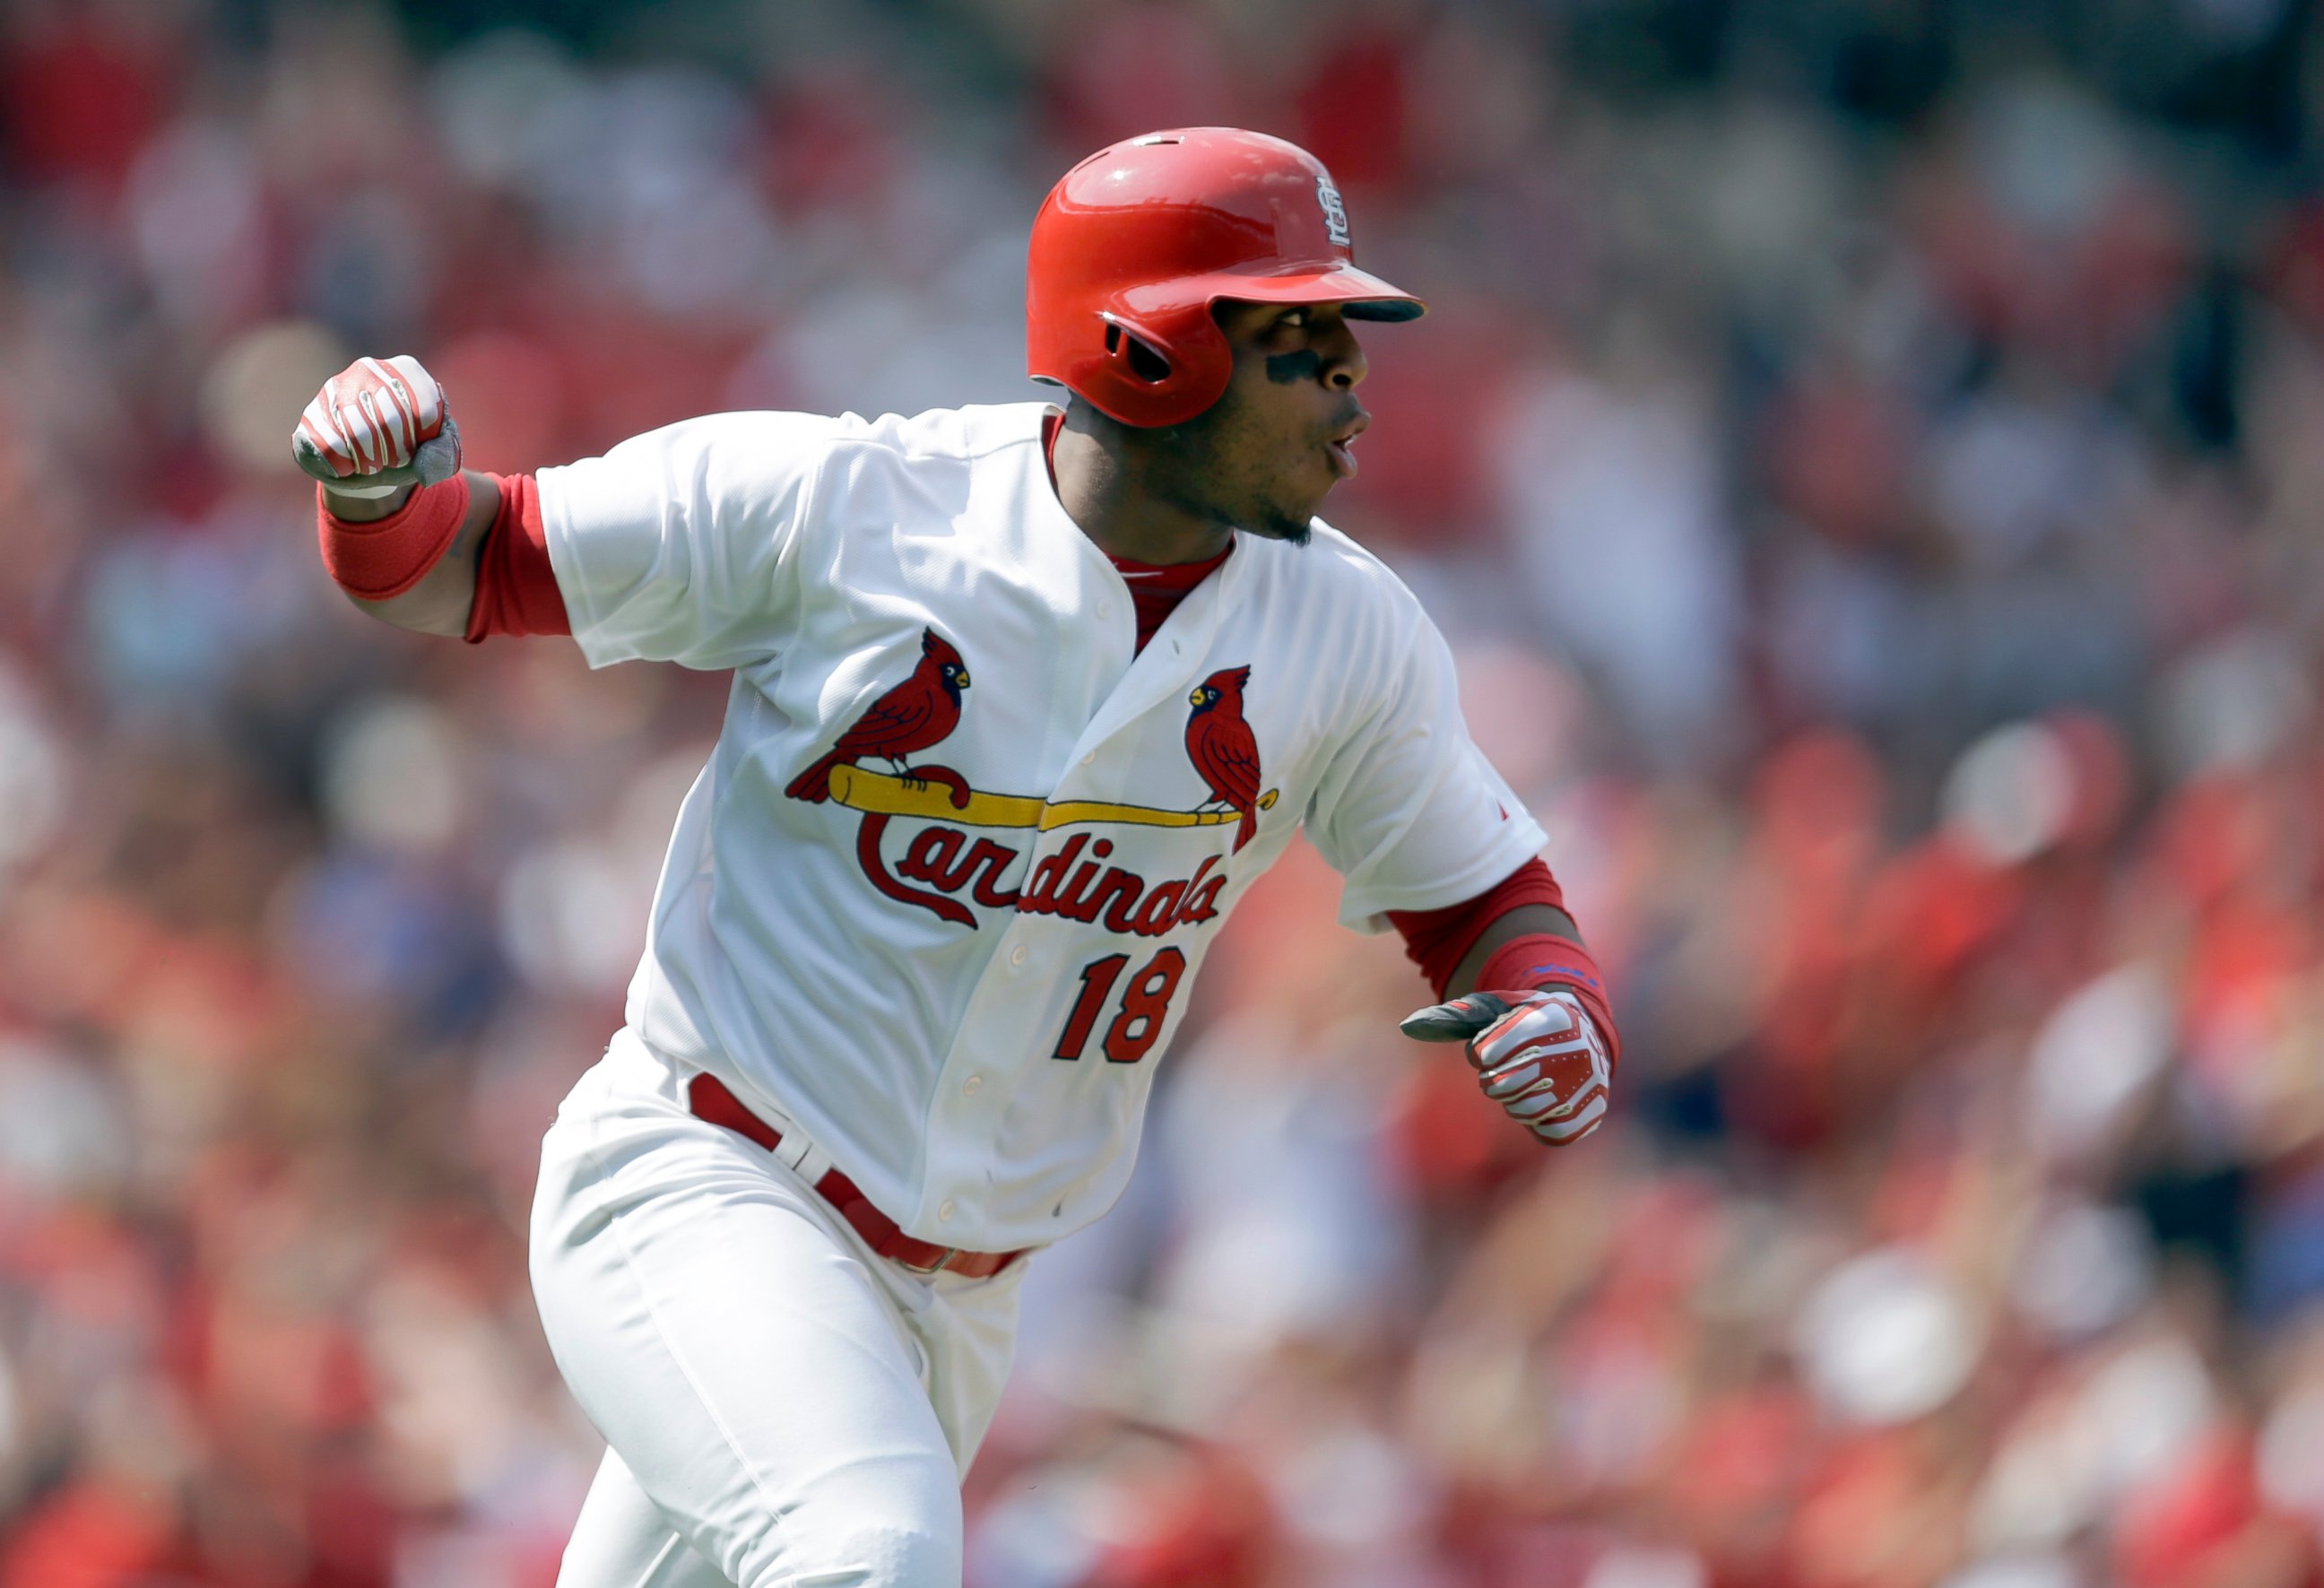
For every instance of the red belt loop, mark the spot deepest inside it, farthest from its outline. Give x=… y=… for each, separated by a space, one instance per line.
x=713 y=1103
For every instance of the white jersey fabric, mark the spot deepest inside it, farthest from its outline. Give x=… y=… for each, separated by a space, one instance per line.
x=902 y=969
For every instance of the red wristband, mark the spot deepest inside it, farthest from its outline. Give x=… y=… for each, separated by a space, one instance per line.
x=380 y=560
x=1539 y=960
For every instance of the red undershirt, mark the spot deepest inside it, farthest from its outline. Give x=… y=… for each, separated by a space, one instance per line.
x=1155 y=590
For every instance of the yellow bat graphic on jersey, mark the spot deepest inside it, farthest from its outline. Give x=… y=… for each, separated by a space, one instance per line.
x=883 y=794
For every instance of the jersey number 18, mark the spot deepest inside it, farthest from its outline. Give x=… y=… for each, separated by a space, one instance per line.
x=1144 y=1003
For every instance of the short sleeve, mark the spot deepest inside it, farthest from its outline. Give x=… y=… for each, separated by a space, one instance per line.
x=1408 y=810
x=678 y=545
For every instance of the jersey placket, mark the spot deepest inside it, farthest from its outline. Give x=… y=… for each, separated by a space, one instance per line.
x=998 y=1038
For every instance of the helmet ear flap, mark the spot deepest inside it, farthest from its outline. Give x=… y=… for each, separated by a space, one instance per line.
x=1164 y=368
x=1150 y=369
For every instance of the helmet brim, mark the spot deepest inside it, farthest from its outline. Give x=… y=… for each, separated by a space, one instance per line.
x=1365 y=295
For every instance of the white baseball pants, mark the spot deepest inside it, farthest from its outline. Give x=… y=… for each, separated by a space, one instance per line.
x=783 y=1408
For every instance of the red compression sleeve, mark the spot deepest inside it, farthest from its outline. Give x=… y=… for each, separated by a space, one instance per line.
x=516 y=586
x=380 y=560
x=1539 y=960
x=1438 y=940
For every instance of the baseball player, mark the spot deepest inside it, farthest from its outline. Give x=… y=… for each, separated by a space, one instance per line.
x=1023 y=700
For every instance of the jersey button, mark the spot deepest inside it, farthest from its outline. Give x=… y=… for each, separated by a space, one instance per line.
x=971 y=1085
x=1105 y=609
x=1017 y=955
x=944 y=1213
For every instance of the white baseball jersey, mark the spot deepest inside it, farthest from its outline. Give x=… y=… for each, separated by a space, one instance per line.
x=940 y=894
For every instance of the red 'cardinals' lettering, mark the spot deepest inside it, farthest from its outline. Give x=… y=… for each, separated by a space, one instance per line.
x=947 y=861
x=915 y=715
x=1220 y=745
x=929 y=860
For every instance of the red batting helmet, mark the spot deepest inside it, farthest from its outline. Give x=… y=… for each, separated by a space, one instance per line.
x=1136 y=243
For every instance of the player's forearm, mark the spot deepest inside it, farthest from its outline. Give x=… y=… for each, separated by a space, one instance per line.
x=439 y=603
x=1526 y=920
x=351 y=509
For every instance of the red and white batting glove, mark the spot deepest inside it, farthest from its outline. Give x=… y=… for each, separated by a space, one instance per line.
x=1537 y=1054
x=376 y=427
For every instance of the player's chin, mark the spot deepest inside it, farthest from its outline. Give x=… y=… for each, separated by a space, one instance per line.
x=1290 y=514
x=1282 y=524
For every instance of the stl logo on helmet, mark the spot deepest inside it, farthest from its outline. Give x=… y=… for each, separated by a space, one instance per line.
x=949 y=858
x=1335 y=213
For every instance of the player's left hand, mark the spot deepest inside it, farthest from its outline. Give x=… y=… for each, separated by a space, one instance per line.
x=1538 y=1055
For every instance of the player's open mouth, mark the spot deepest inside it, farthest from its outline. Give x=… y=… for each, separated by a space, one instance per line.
x=1339 y=449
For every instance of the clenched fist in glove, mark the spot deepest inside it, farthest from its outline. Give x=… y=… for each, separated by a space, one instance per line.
x=376 y=427
x=1540 y=1053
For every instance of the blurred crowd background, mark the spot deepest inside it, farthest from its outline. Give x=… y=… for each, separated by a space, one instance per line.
x=1870 y=454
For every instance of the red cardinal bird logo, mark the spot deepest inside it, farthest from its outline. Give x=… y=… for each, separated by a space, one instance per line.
x=1222 y=749
x=908 y=719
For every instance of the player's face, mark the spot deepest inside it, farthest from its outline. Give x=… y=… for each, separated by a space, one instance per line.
x=1266 y=454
